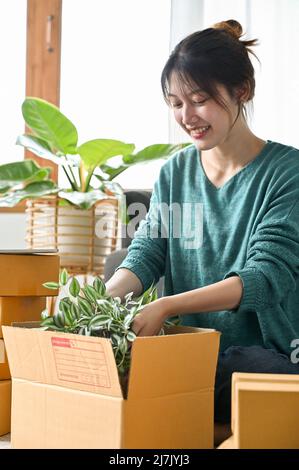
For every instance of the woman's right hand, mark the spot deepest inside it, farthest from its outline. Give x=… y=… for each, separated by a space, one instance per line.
x=151 y=319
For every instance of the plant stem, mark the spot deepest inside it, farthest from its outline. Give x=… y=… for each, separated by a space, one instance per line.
x=74 y=179
x=73 y=185
x=82 y=176
x=89 y=175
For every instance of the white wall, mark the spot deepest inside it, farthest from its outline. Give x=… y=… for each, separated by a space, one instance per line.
x=275 y=24
x=12 y=231
x=12 y=79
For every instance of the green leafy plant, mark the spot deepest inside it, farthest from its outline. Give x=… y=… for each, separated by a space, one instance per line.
x=88 y=310
x=54 y=137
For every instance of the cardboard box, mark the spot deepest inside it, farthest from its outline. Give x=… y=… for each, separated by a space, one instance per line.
x=5 y=398
x=227 y=444
x=20 y=309
x=4 y=368
x=24 y=274
x=67 y=387
x=265 y=411
x=2 y=351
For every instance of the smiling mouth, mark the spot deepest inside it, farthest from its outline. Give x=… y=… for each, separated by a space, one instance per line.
x=199 y=131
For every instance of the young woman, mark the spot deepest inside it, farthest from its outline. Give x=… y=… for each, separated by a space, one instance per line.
x=242 y=279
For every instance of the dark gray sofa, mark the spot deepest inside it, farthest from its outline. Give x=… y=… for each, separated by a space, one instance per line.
x=115 y=259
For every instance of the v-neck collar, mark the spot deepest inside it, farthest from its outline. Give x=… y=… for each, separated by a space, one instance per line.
x=249 y=165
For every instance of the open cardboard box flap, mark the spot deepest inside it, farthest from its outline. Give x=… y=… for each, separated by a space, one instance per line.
x=68 y=360
x=88 y=364
x=180 y=357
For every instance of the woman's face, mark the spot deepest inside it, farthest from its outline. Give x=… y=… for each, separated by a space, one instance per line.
x=205 y=121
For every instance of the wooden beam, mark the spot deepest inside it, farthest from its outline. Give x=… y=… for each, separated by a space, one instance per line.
x=43 y=57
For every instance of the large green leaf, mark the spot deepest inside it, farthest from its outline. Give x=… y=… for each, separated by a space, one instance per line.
x=18 y=171
x=83 y=200
x=41 y=175
x=4 y=187
x=40 y=148
x=112 y=172
x=33 y=190
x=97 y=152
x=12 y=174
x=153 y=152
x=35 y=144
x=50 y=125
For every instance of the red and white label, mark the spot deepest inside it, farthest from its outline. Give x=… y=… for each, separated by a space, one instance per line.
x=81 y=361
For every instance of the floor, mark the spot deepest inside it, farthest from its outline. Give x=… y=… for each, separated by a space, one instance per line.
x=5 y=442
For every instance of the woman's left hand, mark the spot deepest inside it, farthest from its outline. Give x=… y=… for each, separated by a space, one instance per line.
x=150 y=320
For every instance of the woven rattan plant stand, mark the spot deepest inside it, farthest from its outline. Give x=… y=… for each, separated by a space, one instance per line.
x=83 y=238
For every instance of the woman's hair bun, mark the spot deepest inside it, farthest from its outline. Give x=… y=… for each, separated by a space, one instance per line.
x=232 y=27
x=235 y=30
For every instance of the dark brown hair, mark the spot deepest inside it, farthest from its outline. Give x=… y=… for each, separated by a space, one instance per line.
x=210 y=57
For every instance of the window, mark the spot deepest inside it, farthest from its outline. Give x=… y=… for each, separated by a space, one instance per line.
x=112 y=56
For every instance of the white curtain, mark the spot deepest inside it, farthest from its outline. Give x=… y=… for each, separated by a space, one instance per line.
x=275 y=24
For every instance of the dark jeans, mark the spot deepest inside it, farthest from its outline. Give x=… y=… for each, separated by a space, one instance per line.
x=245 y=359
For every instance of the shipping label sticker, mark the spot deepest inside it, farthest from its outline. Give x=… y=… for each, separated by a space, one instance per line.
x=81 y=361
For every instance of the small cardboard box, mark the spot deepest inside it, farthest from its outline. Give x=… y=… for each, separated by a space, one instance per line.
x=227 y=444
x=4 y=369
x=20 y=309
x=265 y=411
x=67 y=387
x=24 y=274
x=5 y=398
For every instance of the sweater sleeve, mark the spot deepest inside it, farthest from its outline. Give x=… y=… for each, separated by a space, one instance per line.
x=272 y=265
x=147 y=252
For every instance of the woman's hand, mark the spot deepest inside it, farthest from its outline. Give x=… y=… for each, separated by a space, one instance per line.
x=150 y=320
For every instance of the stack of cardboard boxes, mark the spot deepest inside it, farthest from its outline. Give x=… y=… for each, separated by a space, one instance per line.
x=22 y=298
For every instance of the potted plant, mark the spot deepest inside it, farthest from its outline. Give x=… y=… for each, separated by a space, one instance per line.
x=65 y=218
x=88 y=310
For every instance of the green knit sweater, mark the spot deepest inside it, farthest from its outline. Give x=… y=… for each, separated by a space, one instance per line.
x=248 y=227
